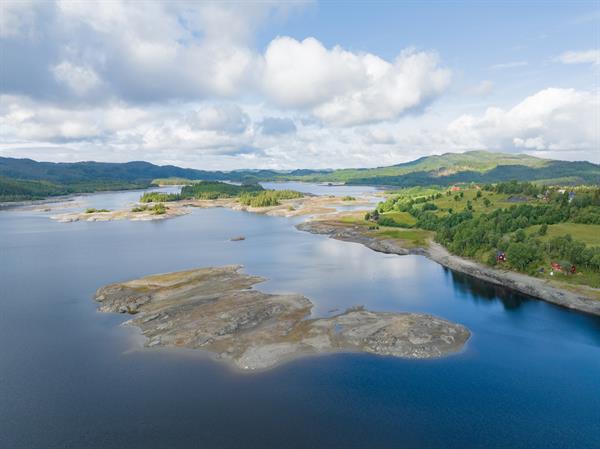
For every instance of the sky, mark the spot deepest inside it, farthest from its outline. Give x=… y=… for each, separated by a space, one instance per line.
x=297 y=84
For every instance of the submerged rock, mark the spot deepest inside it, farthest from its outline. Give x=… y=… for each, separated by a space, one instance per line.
x=215 y=309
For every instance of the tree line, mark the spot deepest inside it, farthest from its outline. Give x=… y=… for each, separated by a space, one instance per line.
x=468 y=234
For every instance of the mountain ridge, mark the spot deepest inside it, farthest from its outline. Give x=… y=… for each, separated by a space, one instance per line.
x=29 y=179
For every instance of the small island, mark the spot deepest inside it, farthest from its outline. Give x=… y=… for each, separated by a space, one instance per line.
x=217 y=310
x=207 y=194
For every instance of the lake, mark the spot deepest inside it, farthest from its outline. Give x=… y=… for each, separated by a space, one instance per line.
x=71 y=377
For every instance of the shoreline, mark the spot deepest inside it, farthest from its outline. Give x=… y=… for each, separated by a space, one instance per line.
x=307 y=205
x=62 y=198
x=320 y=206
x=511 y=280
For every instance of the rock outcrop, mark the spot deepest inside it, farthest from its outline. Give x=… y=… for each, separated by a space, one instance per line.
x=217 y=310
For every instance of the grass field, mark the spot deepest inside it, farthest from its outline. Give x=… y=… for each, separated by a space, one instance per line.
x=410 y=238
x=587 y=233
x=357 y=218
x=402 y=218
x=585 y=277
x=497 y=200
x=457 y=203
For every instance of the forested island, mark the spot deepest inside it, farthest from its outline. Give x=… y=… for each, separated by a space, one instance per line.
x=252 y=194
x=204 y=194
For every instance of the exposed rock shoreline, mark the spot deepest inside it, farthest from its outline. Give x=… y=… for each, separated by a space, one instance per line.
x=307 y=205
x=521 y=283
x=217 y=310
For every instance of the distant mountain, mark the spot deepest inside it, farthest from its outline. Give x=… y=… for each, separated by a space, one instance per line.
x=68 y=173
x=27 y=179
x=472 y=166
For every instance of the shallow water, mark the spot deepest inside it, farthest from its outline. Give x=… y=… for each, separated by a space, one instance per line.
x=71 y=378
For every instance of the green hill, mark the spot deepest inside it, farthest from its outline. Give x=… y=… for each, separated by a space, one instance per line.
x=472 y=166
x=68 y=173
x=26 y=179
x=22 y=179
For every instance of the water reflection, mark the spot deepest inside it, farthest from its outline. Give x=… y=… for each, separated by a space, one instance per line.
x=478 y=290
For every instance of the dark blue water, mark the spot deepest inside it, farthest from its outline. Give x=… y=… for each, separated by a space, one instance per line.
x=70 y=377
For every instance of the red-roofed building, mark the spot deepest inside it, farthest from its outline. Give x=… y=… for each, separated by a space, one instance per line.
x=556 y=266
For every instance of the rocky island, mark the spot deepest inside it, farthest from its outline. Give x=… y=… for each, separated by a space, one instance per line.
x=217 y=310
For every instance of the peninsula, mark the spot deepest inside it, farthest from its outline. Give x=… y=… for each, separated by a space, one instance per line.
x=408 y=241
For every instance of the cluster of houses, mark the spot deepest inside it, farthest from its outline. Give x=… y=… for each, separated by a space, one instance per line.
x=546 y=195
x=560 y=269
x=456 y=188
x=554 y=266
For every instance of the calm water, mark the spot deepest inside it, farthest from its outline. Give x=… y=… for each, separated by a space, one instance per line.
x=71 y=378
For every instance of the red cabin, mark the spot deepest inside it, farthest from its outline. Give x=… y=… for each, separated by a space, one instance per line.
x=556 y=266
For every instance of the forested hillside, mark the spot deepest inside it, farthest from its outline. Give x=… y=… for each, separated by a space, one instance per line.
x=27 y=179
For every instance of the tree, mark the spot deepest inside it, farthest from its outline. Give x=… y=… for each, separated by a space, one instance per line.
x=521 y=255
x=487 y=202
x=543 y=229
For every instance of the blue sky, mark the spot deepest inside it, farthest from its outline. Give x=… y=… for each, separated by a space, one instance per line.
x=472 y=37
x=222 y=85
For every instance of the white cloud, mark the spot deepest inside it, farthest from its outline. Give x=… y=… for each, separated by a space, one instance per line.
x=552 y=119
x=17 y=18
x=551 y=123
x=303 y=74
x=185 y=83
x=277 y=125
x=25 y=119
x=227 y=118
x=79 y=79
x=580 y=57
x=345 y=88
x=109 y=51
x=377 y=135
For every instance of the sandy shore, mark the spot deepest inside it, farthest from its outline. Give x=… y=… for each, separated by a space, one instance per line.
x=121 y=214
x=537 y=288
x=217 y=310
x=307 y=205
